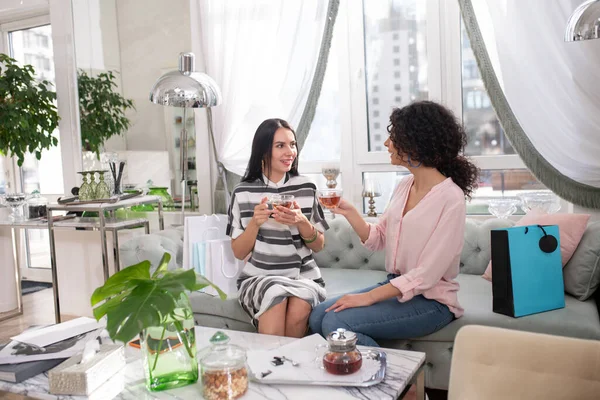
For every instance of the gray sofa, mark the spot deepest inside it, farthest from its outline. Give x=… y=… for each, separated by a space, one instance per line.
x=346 y=265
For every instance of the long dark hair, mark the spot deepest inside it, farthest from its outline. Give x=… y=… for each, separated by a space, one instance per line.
x=429 y=133
x=262 y=149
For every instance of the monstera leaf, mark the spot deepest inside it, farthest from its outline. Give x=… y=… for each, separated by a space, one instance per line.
x=133 y=299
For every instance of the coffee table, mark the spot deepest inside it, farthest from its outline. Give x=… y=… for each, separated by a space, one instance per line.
x=403 y=369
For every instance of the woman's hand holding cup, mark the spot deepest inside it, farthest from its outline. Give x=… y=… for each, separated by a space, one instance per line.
x=261 y=212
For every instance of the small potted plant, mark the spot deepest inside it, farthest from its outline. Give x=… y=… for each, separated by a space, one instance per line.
x=28 y=114
x=156 y=307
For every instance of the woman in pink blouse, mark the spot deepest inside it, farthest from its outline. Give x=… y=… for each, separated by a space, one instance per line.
x=422 y=232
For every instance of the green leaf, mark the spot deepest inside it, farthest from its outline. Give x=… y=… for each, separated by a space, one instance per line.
x=202 y=282
x=121 y=281
x=108 y=305
x=162 y=265
x=134 y=300
x=144 y=307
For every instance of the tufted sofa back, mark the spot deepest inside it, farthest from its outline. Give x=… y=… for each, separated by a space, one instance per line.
x=343 y=248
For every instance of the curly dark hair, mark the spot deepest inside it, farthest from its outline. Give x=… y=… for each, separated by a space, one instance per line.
x=429 y=133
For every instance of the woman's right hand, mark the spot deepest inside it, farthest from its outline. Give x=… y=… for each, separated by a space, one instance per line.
x=261 y=212
x=344 y=208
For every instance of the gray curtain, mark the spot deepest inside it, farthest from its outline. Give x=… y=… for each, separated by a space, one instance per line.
x=565 y=187
x=309 y=109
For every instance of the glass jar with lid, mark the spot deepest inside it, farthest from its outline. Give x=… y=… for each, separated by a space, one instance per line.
x=223 y=369
x=36 y=205
x=340 y=355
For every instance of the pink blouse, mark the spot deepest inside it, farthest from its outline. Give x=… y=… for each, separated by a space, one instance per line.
x=424 y=246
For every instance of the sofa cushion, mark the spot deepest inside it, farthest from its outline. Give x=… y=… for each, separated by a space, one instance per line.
x=206 y=304
x=476 y=251
x=344 y=250
x=582 y=272
x=337 y=281
x=578 y=319
x=342 y=281
x=571 y=229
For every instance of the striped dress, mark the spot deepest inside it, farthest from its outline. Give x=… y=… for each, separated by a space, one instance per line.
x=280 y=264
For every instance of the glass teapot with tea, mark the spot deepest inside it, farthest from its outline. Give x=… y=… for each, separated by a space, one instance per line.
x=340 y=355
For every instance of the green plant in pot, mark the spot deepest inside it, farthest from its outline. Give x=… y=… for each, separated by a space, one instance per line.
x=101 y=110
x=156 y=307
x=28 y=114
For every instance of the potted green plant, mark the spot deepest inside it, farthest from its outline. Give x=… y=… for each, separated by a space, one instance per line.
x=101 y=110
x=156 y=307
x=27 y=110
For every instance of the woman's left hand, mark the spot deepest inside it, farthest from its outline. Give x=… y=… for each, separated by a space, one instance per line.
x=351 y=301
x=289 y=216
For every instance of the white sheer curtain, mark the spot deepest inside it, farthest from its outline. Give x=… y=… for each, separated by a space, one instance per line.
x=263 y=55
x=552 y=87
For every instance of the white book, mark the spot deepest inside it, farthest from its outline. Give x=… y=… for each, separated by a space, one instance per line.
x=57 y=333
x=19 y=352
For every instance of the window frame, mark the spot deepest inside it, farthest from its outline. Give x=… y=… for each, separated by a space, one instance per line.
x=444 y=85
x=14 y=175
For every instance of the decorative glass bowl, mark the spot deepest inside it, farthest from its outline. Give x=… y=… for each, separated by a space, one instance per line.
x=545 y=201
x=15 y=202
x=503 y=207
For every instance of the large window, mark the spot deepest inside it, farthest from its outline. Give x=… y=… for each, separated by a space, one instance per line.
x=390 y=53
x=33 y=46
x=324 y=140
x=395 y=60
x=486 y=136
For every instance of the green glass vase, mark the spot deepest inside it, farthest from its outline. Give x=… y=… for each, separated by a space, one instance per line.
x=169 y=350
x=167 y=200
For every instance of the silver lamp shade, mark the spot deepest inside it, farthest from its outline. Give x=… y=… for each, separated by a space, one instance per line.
x=186 y=88
x=584 y=23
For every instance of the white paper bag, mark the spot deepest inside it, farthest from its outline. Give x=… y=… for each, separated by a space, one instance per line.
x=201 y=229
x=221 y=266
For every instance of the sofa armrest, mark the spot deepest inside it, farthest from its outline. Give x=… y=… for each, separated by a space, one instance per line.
x=151 y=248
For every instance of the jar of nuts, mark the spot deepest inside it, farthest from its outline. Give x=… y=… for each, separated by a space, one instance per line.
x=223 y=369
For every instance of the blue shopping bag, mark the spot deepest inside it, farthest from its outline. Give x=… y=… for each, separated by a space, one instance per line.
x=526 y=270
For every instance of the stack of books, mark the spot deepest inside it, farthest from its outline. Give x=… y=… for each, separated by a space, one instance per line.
x=41 y=348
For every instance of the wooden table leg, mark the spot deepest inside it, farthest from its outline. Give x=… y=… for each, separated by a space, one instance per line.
x=421 y=385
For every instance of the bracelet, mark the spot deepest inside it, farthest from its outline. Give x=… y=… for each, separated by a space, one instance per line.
x=313 y=238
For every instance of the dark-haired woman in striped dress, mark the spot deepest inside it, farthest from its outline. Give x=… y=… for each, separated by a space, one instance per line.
x=280 y=283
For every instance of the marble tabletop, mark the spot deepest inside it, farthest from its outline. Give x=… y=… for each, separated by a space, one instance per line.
x=128 y=384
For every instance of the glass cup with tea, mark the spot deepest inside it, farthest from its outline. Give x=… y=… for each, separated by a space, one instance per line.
x=275 y=200
x=330 y=198
x=287 y=201
x=283 y=200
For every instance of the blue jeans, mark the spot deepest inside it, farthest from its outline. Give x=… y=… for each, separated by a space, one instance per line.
x=388 y=319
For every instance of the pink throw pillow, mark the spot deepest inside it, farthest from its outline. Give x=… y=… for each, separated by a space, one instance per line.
x=570 y=227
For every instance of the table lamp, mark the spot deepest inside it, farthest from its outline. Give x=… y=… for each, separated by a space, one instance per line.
x=186 y=88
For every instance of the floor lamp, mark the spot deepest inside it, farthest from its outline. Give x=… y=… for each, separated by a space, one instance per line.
x=584 y=23
x=186 y=88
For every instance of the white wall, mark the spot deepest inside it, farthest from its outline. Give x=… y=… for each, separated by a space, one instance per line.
x=152 y=33
x=15 y=9
x=97 y=46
